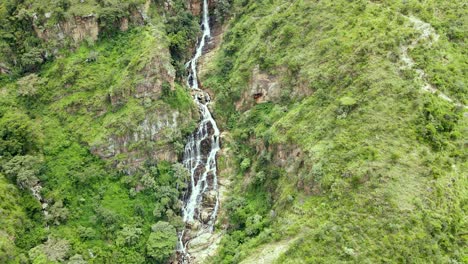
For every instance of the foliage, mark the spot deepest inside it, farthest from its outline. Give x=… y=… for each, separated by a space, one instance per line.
x=161 y=242
x=18 y=134
x=129 y=235
x=28 y=85
x=182 y=29
x=354 y=161
x=13 y=217
x=54 y=120
x=52 y=250
x=222 y=10
x=24 y=170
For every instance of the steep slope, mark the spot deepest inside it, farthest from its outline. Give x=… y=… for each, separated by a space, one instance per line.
x=91 y=140
x=336 y=144
x=343 y=131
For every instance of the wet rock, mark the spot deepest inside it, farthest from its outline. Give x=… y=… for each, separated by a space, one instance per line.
x=201 y=241
x=209 y=198
x=205 y=247
x=206 y=146
x=205 y=215
x=193 y=226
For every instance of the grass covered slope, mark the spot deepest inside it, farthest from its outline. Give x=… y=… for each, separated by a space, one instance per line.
x=73 y=129
x=349 y=155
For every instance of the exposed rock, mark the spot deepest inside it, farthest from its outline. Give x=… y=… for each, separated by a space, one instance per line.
x=123 y=24
x=209 y=198
x=266 y=87
x=263 y=87
x=4 y=69
x=77 y=28
x=204 y=246
x=200 y=241
x=130 y=149
x=284 y=155
x=195 y=7
x=205 y=215
x=194 y=226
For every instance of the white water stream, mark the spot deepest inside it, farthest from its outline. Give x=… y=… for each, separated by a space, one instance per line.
x=201 y=200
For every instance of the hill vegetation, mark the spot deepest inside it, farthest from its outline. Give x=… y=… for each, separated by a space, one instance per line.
x=335 y=149
x=89 y=144
x=369 y=168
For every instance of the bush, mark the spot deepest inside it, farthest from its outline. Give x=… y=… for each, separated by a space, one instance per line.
x=128 y=236
x=18 y=134
x=28 y=86
x=24 y=170
x=161 y=242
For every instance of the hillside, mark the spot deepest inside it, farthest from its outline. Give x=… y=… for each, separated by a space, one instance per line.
x=92 y=140
x=342 y=131
x=336 y=147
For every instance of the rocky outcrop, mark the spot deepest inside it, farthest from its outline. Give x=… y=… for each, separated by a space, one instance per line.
x=195 y=6
x=150 y=139
x=4 y=69
x=77 y=28
x=157 y=74
x=84 y=27
x=262 y=87
x=265 y=87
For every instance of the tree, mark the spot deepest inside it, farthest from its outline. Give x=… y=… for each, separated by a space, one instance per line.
x=161 y=242
x=32 y=58
x=77 y=259
x=53 y=249
x=106 y=216
x=86 y=233
x=24 y=170
x=181 y=174
x=18 y=134
x=129 y=235
x=148 y=181
x=222 y=10
x=57 y=213
x=29 y=85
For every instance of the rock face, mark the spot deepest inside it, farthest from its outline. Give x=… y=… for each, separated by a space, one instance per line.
x=158 y=72
x=87 y=27
x=262 y=88
x=151 y=134
x=195 y=6
x=77 y=28
x=129 y=150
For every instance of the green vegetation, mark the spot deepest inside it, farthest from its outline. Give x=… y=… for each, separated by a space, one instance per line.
x=161 y=242
x=21 y=50
x=56 y=128
x=331 y=145
x=367 y=169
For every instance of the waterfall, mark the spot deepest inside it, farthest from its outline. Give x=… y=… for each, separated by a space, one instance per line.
x=201 y=199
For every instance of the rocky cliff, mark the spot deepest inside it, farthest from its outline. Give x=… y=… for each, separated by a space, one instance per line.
x=73 y=29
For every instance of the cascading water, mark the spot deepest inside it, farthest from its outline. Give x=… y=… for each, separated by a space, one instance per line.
x=201 y=199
